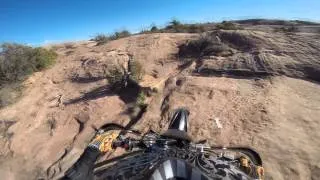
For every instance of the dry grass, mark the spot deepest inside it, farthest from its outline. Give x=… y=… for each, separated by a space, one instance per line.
x=10 y=93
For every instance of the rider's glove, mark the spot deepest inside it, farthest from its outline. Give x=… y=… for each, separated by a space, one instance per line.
x=250 y=169
x=103 y=142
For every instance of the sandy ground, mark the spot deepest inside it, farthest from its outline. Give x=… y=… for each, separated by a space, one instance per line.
x=60 y=107
x=274 y=116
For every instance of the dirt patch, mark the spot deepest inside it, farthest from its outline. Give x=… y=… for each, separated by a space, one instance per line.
x=253 y=113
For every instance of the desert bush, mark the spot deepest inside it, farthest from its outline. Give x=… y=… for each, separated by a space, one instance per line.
x=144 y=31
x=227 y=26
x=238 y=41
x=17 y=61
x=43 y=58
x=141 y=99
x=118 y=77
x=120 y=34
x=101 y=39
x=176 y=27
x=154 y=28
x=193 y=28
x=205 y=45
x=136 y=70
x=174 y=24
x=115 y=76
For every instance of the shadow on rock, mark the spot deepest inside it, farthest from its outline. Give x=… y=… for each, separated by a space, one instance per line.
x=78 y=79
x=128 y=94
x=94 y=94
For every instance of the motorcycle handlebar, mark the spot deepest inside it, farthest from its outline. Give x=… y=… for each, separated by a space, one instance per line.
x=127 y=144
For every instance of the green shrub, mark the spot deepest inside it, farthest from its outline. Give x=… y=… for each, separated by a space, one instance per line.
x=154 y=28
x=17 y=61
x=141 y=99
x=115 y=76
x=174 y=23
x=136 y=70
x=144 y=31
x=101 y=39
x=176 y=27
x=196 y=28
x=118 y=77
x=120 y=34
x=43 y=58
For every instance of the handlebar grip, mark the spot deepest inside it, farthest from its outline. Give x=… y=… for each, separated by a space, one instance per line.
x=135 y=144
x=116 y=144
x=127 y=144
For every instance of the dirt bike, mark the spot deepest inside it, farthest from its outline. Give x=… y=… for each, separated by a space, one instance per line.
x=173 y=155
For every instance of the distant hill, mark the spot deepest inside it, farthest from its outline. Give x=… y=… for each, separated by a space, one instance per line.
x=274 y=22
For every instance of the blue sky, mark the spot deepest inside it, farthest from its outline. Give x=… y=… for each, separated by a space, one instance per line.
x=47 y=21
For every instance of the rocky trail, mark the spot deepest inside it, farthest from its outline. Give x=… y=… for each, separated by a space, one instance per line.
x=266 y=97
